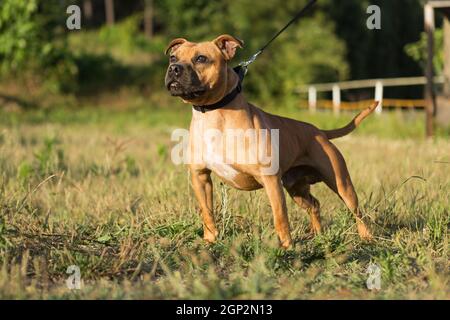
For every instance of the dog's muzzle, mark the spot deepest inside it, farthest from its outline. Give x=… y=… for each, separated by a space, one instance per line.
x=182 y=81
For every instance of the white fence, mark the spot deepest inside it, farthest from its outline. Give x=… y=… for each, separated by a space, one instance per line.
x=377 y=84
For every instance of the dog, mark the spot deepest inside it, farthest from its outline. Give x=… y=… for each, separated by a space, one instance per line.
x=199 y=74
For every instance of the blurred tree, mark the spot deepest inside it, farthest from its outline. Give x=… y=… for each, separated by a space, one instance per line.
x=330 y=43
x=377 y=53
x=18 y=33
x=109 y=9
x=148 y=18
x=350 y=19
x=88 y=10
x=306 y=52
x=32 y=40
x=418 y=51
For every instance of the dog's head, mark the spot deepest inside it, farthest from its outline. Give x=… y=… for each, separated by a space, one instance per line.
x=198 y=72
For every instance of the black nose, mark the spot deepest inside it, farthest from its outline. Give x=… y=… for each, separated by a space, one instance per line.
x=176 y=69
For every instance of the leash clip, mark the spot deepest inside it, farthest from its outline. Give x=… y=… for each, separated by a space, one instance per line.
x=244 y=64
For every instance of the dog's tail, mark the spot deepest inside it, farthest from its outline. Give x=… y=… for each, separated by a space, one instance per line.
x=337 y=133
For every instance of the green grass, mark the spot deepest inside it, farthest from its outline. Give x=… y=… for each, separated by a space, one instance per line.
x=398 y=125
x=97 y=189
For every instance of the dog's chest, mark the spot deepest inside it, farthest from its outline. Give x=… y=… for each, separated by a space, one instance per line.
x=229 y=173
x=208 y=138
x=216 y=162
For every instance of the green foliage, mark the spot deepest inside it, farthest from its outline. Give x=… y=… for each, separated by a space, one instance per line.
x=18 y=33
x=31 y=43
x=301 y=58
x=49 y=159
x=331 y=43
x=418 y=50
x=131 y=167
x=116 y=56
x=24 y=172
x=304 y=53
x=126 y=34
x=437 y=227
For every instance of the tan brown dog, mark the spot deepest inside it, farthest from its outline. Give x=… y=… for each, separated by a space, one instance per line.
x=199 y=74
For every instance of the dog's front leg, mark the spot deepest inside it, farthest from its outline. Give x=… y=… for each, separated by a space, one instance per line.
x=203 y=189
x=274 y=190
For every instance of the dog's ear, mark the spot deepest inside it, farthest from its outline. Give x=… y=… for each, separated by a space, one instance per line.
x=174 y=44
x=227 y=45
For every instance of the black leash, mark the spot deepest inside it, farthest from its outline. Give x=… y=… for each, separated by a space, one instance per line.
x=242 y=68
x=245 y=64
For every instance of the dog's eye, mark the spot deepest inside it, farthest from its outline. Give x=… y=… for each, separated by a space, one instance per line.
x=173 y=59
x=201 y=59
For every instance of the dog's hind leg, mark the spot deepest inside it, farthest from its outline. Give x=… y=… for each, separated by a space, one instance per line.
x=302 y=196
x=331 y=165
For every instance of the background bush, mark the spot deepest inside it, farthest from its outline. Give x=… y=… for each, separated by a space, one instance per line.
x=33 y=42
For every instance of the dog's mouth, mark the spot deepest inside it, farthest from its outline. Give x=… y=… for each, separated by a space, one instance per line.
x=177 y=90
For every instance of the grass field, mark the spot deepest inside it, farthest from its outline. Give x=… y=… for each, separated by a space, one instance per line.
x=97 y=189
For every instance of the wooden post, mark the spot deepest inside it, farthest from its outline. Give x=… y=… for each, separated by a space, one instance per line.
x=312 y=99
x=148 y=18
x=109 y=8
x=429 y=74
x=447 y=56
x=336 y=99
x=379 y=96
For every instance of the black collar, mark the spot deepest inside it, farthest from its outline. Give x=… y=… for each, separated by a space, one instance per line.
x=222 y=103
x=228 y=98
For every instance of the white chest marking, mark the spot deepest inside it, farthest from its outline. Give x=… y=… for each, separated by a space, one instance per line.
x=214 y=159
x=214 y=162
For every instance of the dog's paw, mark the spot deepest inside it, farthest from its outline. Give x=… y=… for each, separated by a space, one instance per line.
x=286 y=244
x=210 y=237
x=364 y=233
